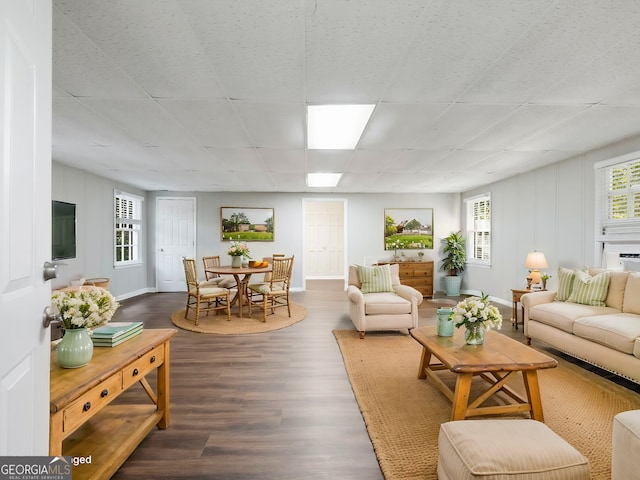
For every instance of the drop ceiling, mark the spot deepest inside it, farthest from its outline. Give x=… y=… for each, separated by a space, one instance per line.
x=211 y=95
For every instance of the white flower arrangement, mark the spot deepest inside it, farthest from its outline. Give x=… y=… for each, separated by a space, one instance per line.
x=85 y=307
x=476 y=310
x=238 y=249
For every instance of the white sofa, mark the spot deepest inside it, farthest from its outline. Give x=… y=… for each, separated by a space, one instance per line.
x=394 y=308
x=606 y=335
x=625 y=462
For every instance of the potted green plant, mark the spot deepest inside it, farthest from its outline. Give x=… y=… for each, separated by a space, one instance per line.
x=454 y=262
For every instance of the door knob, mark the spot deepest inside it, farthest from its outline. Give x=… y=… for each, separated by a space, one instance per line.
x=50 y=316
x=49 y=271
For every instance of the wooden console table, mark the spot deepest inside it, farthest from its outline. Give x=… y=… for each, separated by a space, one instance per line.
x=418 y=275
x=84 y=423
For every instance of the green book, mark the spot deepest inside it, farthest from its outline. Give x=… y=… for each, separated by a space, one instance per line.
x=115 y=329
x=105 y=342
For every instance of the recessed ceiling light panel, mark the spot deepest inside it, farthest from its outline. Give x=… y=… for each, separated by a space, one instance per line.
x=336 y=127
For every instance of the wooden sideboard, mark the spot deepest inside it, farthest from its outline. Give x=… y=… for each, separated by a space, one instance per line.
x=418 y=275
x=85 y=423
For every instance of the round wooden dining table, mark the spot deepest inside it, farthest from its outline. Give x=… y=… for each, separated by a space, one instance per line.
x=242 y=275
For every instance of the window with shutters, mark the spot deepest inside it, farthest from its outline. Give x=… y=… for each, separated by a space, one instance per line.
x=618 y=197
x=479 y=229
x=128 y=224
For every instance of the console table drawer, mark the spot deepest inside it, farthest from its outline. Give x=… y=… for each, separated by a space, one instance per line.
x=138 y=369
x=91 y=402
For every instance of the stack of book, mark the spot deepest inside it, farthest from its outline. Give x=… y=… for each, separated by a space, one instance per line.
x=115 y=333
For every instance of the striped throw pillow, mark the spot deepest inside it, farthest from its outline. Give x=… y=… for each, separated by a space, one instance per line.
x=565 y=283
x=589 y=290
x=375 y=279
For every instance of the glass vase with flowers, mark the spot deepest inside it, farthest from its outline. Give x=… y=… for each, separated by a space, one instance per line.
x=477 y=315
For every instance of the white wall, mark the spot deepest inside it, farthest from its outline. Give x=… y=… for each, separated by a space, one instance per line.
x=365 y=223
x=93 y=196
x=94 y=201
x=551 y=210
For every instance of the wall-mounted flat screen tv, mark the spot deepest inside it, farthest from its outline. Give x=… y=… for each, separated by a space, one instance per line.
x=63 y=230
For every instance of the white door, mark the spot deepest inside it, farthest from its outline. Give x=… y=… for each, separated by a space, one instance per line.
x=25 y=224
x=324 y=239
x=175 y=238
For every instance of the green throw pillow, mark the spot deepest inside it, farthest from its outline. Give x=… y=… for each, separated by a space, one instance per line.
x=565 y=283
x=375 y=279
x=589 y=290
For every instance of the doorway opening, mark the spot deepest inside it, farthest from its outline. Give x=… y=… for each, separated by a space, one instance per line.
x=324 y=243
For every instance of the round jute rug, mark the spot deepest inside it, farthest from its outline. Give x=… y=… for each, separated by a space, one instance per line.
x=219 y=325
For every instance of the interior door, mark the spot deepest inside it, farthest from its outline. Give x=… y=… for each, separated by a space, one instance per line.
x=175 y=238
x=324 y=239
x=25 y=225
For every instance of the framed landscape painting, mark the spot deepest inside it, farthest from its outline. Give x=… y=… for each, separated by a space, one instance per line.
x=408 y=228
x=247 y=224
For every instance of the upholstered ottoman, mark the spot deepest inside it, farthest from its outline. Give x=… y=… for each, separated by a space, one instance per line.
x=625 y=462
x=506 y=449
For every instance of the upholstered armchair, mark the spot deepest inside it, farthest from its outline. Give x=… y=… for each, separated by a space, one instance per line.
x=378 y=301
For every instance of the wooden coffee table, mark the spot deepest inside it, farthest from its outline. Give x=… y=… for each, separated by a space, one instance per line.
x=497 y=361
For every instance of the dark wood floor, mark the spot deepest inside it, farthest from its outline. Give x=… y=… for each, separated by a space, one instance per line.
x=276 y=405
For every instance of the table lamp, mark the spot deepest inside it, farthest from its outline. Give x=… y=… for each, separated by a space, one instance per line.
x=535 y=261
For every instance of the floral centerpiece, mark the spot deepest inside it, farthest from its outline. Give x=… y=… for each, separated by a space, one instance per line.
x=85 y=307
x=81 y=309
x=476 y=315
x=238 y=249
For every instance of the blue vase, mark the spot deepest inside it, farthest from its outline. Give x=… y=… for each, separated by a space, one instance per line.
x=75 y=349
x=445 y=326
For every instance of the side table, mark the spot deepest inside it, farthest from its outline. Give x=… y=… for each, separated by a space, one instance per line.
x=516 y=294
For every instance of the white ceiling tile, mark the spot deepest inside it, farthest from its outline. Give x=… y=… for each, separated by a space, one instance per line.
x=142 y=120
x=281 y=161
x=364 y=161
x=257 y=50
x=352 y=48
x=569 y=35
x=273 y=125
x=459 y=125
x=527 y=121
x=239 y=160
x=213 y=123
x=395 y=125
x=607 y=77
x=76 y=123
x=592 y=129
x=455 y=43
x=94 y=80
x=153 y=43
x=328 y=161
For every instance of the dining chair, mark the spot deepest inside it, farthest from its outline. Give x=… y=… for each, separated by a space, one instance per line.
x=203 y=297
x=213 y=261
x=274 y=292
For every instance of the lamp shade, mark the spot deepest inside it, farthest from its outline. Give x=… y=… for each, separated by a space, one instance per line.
x=536 y=260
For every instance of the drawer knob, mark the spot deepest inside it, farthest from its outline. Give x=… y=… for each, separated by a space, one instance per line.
x=86 y=407
x=104 y=393
x=152 y=359
x=135 y=372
